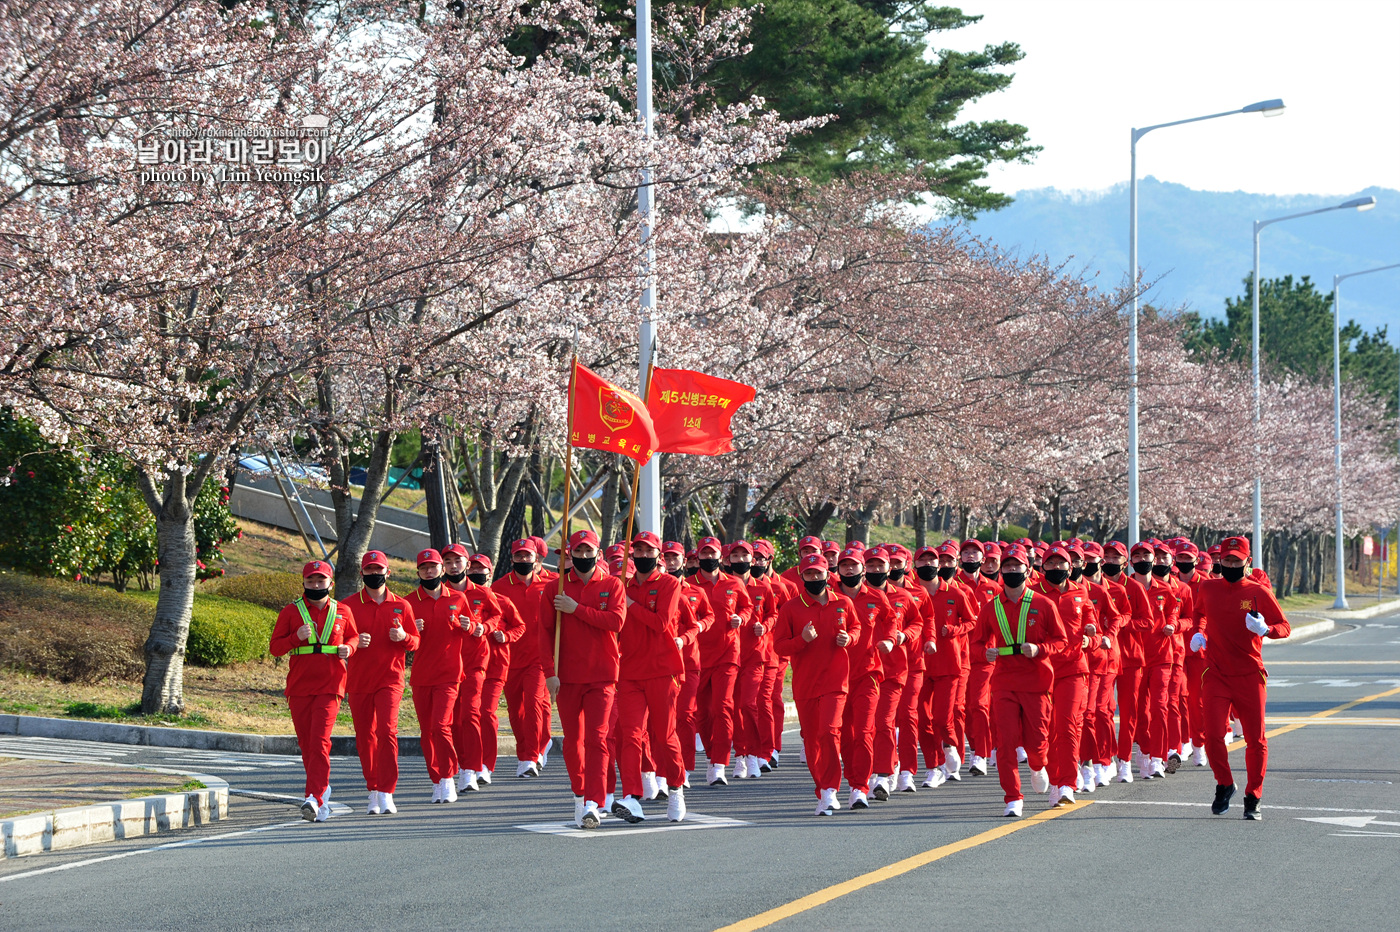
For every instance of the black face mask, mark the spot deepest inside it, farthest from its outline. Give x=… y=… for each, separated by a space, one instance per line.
x=815 y=586
x=678 y=574
x=430 y=584
x=876 y=579
x=1055 y=577
x=1091 y=569
x=315 y=595
x=971 y=568
x=644 y=565
x=1112 y=569
x=1142 y=567
x=480 y=579
x=1186 y=569
x=993 y=574
x=738 y=569
x=1076 y=572
x=851 y=581
x=1013 y=580
x=947 y=572
x=1232 y=573
x=690 y=571
x=374 y=580
x=523 y=569
x=1161 y=570
x=758 y=571
x=455 y=578
x=927 y=573
x=897 y=573
x=709 y=564
x=584 y=565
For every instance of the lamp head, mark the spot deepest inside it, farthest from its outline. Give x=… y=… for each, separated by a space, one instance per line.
x=1361 y=203
x=1270 y=108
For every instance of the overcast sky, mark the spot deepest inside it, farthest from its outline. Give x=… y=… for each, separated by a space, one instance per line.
x=1095 y=68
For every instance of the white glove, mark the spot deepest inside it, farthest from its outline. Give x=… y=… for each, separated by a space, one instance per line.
x=1256 y=624
x=1198 y=641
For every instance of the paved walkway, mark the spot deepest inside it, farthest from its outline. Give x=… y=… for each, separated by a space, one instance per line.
x=38 y=786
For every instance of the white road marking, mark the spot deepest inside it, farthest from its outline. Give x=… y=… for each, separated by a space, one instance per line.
x=611 y=827
x=1350 y=821
x=1267 y=805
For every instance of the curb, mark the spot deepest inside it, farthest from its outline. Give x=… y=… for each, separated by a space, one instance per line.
x=37 y=726
x=1303 y=632
x=61 y=829
x=1371 y=612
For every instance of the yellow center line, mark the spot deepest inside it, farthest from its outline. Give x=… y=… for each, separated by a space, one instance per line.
x=1321 y=716
x=820 y=897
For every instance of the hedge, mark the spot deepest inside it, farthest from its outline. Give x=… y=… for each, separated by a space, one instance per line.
x=224 y=631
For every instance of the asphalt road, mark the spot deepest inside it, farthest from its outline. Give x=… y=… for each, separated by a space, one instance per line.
x=1135 y=857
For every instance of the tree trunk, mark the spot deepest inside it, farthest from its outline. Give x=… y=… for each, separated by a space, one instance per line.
x=736 y=516
x=1037 y=525
x=920 y=525
x=162 y=690
x=676 y=525
x=963 y=514
x=1055 y=518
x=608 y=507
x=817 y=519
x=858 y=523
x=538 y=524
x=435 y=479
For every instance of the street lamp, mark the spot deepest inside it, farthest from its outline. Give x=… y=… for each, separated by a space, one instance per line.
x=1337 y=409
x=1357 y=203
x=1268 y=108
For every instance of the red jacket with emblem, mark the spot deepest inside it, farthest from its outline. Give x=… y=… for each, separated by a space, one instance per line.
x=1017 y=672
x=314 y=674
x=728 y=596
x=382 y=663
x=525 y=596
x=820 y=667
x=588 y=639
x=1231 y=648
x=648 y=640
x=952 y=608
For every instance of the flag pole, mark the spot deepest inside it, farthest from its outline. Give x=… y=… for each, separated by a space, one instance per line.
x=564 y=524
x=637 y=467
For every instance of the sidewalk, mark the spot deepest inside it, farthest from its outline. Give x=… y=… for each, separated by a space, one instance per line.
x=49 y=806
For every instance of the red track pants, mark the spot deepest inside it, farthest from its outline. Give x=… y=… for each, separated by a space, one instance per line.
x=1098 y=744
x=1071 y=697
x=646 y=720
x=686 y=717
x=1247 y=694
x=940 y=729
x=1129 y=702
x=907 y=722
x=715 y=710
x=886 y=755
x=376 y=718
x=775 y=679
x=528 y=706
x=1156 y=707
x=754 y=698
x=435 y=706
x=1023 y=721
x=584 y=711
x=858 y=732
x=491 y=691
x=313 y=718
x=1193 y=669
x=466 y=725
x=820 y=719
x=981 y=723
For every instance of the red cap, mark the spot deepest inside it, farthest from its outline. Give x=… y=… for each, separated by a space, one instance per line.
x=692 y=554
x=949 y=547
x=972 y=545
x=764 y=547
x=1017 y=553
x=1059 y=550
x=853 y=554
x=374 y=558
x=1164 y=547
x=429 y=556
x=994 y=550
x=877 y=554
x=809 y=541
x=541 y=547
x=1143 y=546
x=858 y=544
x=741 y=546
x=524 y=545
x=929 y=551
x=579 y=538
x=899 y=551
x=482 y=559
x=1116 y=546
x=1092 y=549
x=709 y=542
x=1232 y=547
x=1205 y=563
x=1075 y=546
x=810 y=560
x=317 y=566
x=458 y=549
x=1039 y=546
x=613 y=550
x=1214 y=550
x=673 y=546
x=830 y=546
x=646 y=537
x=1186 y=548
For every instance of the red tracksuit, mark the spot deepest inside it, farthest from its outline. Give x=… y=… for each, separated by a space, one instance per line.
x=697 y=604
x=719 y=662
x=1071 y=690
x=484 y=608
x=753 y=696
x=894 y=676
x=527 y=700
x=783 y=590
x=1111 y=606
x=1235 y=675
x=375 y=685
x=589 y=664
x=977 y=698
x=919 y=618
x=1155 y=606
x=1178 y=717
x=820 y=676
x=878 y=622
x=1194 y=667
x=946 y=670
x=650 y=668
x=512 y=625
x=1130 y=671
x=315 y=683
x=436 y=674
x=1020 y=685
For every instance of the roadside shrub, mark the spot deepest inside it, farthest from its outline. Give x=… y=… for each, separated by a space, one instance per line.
x=70 y=632
x=225 y=631
x=270 y=590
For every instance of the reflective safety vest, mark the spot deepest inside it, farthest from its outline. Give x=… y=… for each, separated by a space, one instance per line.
x=319 y=645
x=1012 y=647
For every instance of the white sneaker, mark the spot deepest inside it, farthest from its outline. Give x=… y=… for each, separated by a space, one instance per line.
x=649 y=787
x=1229 y=738
x=934 y=778
x=606 y=808
x=753 y=766
x=1105 y=774
x=715 y=776
x=1020 y=755
x=1040 y=780
x=857 y=800
x=700 y=744
x=1198 y=757
x=835 y=803
x=1013 y=808
x=527 y=768
x=578 y=811
x=1145 y=768
x=905 y=783
x=324 y=812
x=675 y=805
x=484 y=776
x=880 y=787
x=386 y=802
x=993 y=759
x=952 y=762
x=309 y=807
x=741 y=767
x=449 y=792
x=544 y=753
x=1067 y=795
x=826 y=803
x=591 y=818
x=1053 y=796
x=629 y=810
x=978 y=767
x=326 y=797
x=373 y=808
x=466 y=780
x=437 y=792
x=1088 y=778
x=1125 y=772
x=802 y=754
x=1186 y=750
x=1159 y=768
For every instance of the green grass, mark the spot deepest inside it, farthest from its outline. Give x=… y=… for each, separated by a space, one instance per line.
x=189 y=786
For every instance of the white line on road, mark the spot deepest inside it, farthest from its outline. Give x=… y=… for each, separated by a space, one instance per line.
x=1153 y=802
x=693 y=821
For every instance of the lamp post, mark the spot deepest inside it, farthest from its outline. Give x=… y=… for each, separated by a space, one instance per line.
x=1358 y=203
x=1337 y=414
x=649 y=497
x=1267 y=108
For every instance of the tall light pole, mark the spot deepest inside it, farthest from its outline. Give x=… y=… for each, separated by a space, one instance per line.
x=1337 y=415
x=1266 y=107
x=1358 y=203
x=649 y=495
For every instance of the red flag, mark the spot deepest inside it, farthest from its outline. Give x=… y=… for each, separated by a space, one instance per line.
x=691 y=411
x=610 y=418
